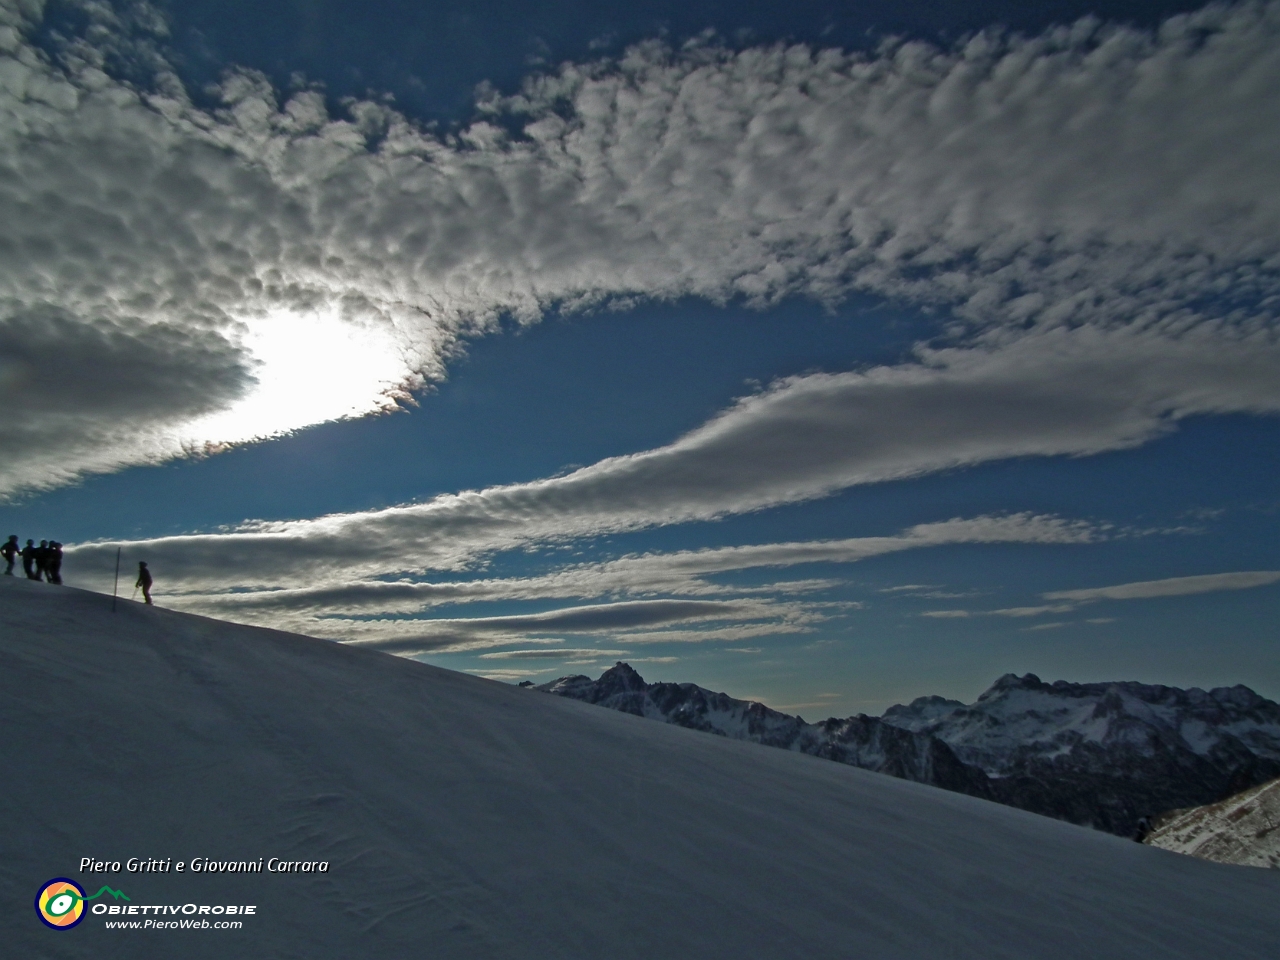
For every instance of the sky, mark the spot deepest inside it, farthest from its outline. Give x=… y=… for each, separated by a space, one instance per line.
x=829 y=355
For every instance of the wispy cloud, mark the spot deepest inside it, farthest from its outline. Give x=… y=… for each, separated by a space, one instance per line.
x=1073 y=198
x=616 y=616
x=548 y=653
x=404 y=539
x=622 y=621
x=1004 y=612
x=508 y=675
x=1141 y=590
x=1171 y=587
x=391 y=614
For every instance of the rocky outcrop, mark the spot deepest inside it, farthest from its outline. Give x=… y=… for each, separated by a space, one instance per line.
x=1243 y=829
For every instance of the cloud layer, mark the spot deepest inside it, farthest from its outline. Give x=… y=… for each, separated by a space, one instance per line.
x=676 y=597
x=339 y=557
x=1098 y=207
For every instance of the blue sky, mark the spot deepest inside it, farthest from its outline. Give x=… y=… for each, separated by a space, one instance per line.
x=836 y=358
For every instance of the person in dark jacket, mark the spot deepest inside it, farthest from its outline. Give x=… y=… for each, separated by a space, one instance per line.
x=42 y=560
x=28 y=560
x=53 y=565
x=144 y=580
x=9 y=551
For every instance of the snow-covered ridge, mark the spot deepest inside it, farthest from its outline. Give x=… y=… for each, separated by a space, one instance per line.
x=466 y=820
x=1103 y=755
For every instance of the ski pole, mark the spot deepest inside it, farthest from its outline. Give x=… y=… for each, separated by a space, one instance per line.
x=116 y=588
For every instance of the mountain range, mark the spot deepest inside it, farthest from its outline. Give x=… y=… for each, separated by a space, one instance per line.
x=1103 y=755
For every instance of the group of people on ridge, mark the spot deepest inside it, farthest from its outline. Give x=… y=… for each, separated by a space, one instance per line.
x=45 y=562
x=38 y=563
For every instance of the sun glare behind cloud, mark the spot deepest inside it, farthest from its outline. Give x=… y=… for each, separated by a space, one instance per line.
x=310 y=368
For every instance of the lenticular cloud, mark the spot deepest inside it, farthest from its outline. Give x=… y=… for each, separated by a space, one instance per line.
x=265 y=265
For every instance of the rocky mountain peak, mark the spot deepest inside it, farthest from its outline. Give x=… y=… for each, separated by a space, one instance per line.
x=1011 y=681
x=621 y=678
x=1238 y=696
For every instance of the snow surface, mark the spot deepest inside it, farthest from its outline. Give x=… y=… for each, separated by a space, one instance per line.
x=470 y=819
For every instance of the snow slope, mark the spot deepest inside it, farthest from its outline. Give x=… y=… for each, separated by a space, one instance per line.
x=1243 y=829
x=468 y=819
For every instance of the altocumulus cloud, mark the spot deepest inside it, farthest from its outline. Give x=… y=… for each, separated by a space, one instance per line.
x=1096 y=209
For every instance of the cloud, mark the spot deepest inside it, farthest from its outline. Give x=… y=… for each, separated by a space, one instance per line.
x=507 y=676
x=552 y=654
x=1004 y=612
x=1032 y=611
x=97 y=391
x=1171 y=587
x=806 y=438
x=1141 y=590
x=615 y=616
x=797 y=622
x=391 y=612
x=1096 y=205
x=453 y=531
x=467 y=634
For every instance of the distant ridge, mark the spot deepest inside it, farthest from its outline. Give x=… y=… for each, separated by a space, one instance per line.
x=1103 y=755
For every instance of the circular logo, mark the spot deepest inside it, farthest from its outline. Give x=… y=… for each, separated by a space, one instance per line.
x=60 y=903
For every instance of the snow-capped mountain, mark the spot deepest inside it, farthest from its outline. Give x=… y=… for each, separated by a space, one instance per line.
x=1106 y=754
x=859 y=741
x=1101 y=755
x=1243 y=829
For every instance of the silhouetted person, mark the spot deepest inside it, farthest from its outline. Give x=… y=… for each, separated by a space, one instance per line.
x=144 y=580
x=28 y=560
x=9 y=551
x=53 y=565
x=42 y=559
x=1143 y=829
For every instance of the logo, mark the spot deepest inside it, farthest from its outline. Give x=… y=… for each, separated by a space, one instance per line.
x=60 y=902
